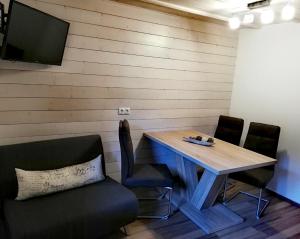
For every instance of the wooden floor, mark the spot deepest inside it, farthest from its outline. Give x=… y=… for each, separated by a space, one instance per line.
x=281 y=220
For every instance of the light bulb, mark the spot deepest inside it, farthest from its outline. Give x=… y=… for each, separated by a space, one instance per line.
x=288 y=12
x=234 y=23
x=248 y=19
x=267 y=16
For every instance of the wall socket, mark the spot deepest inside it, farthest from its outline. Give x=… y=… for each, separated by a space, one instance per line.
x=124 y=111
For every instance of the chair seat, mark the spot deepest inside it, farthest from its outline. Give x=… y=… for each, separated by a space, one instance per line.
x=86 y=212
x=150 y=175
x=257 y=177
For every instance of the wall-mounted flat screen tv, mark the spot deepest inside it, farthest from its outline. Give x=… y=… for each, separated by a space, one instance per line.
x=33 y=36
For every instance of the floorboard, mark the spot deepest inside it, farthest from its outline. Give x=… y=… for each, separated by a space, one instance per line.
x=280 y=221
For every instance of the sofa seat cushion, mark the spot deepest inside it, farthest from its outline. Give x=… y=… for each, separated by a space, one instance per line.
x=87 y=212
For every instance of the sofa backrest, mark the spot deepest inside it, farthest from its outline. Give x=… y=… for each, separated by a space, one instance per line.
x=45 y=155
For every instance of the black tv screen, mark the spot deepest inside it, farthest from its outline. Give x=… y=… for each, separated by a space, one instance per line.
x=34 y=36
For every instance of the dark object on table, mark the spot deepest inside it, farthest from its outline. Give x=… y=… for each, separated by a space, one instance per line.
x=263 y=139
x=210 y=140
x=90 y=211
x=142 y=175
x=229 y=129
x=199 y=138
x=204 y=141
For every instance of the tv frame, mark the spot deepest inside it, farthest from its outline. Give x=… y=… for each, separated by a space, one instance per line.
x=7 y=29
x=2 y=18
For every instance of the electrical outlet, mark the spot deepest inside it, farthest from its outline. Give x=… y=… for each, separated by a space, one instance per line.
x=121 y=111
x=127 y=110
x=124 y=111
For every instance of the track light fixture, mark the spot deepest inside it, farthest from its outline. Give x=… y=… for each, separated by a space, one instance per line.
x=267 y=15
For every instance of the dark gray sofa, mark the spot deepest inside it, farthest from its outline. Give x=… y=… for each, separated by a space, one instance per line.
x=90 y=211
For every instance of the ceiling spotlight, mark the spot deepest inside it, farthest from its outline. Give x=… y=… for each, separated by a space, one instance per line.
x=288 y=12
x=248 y=19
x=267 y=16
x=234 y=23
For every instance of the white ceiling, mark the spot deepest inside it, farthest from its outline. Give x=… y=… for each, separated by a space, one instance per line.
x=219 y=9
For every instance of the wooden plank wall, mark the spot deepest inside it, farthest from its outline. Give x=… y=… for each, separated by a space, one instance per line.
x=173 y=72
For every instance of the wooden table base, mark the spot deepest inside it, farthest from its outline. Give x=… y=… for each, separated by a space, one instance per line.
x=197 y=199
x=213 y=219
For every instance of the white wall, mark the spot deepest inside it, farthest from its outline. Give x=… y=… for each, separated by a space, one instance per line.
x=267 y=89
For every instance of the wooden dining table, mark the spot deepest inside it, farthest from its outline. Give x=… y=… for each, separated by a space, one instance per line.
x=197 y=198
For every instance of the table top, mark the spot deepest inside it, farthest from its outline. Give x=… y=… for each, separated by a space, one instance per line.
x=222 y=158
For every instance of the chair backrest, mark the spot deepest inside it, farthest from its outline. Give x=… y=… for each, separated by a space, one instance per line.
x=45 y=155
x=263 y=139
x=127 y=154
x=229 y=129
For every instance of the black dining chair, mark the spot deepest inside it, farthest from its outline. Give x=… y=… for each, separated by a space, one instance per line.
x=263 y=139
x=143 y=175
x=229 y=129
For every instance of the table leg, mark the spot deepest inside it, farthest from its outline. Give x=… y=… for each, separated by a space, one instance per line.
x=207 y=190
x=187 y=173
x=200 y=198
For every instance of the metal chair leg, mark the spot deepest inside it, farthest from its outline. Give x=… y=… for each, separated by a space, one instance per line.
x=259 y=210
x=227 y=186
x=170 y=203
x=225 y=189
x=169 y=191
x=124 y=230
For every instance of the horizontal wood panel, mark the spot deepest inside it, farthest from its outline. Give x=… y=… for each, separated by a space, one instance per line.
x=113 y=21
x=40 y=91
x=173 y=72
x=17 y=104
x=20 y=117
x=22 y=130
x=145 y=15
x=63 y=79
x=93 y=43
x=84 y=29
x=73 y=54
x=108 y=27
x=88 y=68
x=106 y=136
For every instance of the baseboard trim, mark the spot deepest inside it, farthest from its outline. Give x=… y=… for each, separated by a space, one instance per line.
x=275 y=194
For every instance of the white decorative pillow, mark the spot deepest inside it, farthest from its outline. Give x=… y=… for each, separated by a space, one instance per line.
x=37 y=183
